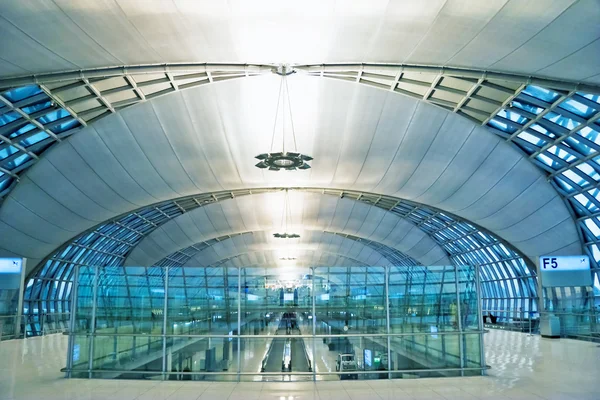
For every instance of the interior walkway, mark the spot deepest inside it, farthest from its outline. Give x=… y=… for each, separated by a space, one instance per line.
x=523 y=367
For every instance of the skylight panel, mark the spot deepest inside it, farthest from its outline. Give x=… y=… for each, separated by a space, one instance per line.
x=541 y=93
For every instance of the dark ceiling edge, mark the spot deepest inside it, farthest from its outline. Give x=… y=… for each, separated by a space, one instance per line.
x=220 y=196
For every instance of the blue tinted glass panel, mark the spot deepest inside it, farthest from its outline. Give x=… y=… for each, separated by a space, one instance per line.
x=592 y=97
x=21 y=93
x=21 y=131
x=562 y=121
x=590 y=134
x=541 y=93
x=9 y=117
x=17 y=161
x=53 y=116
x=36 y=107
x=10 y=150
x=5 y=183
x=578 y=108
x=513 y=116
x=38 y=137
x=498 y=124
x=531 y=139
x=527 y=107
x=65 y=126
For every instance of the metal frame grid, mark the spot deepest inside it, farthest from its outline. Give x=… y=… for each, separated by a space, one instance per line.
x=559 y=130
x=554 y=122
x=30 y=123
x=160 y=305
x=508 y=281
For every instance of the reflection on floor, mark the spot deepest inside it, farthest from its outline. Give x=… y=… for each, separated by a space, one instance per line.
x=523 y=367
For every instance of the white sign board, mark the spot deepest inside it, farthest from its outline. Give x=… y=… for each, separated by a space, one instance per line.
x=565 y=271
x=10 y=273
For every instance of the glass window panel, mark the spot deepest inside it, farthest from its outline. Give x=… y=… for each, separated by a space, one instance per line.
x=9 y=117
x=22 y=92
x=590 y=134
x=587 y=169
x=503 y=126
x=560 y=120
x=578 y=108
x=8 y=151
x=541 y=93
x=593 y=227
x=526 y=106
x=17 y=161
x=589 y=96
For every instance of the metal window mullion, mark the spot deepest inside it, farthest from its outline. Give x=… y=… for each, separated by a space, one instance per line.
x=480 y=318
x=71 y=345
x=164 y=330
x=314 y=324
x=460 y=327
x=93 y=325
x=239 y=325
x=387 y=317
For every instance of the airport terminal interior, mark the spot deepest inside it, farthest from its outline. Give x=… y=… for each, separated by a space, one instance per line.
x=289 y=200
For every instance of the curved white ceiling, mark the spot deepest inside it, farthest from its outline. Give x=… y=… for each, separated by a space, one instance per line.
x=314 y=248
x=204 y=139
x=263 y=213
x=555 y=38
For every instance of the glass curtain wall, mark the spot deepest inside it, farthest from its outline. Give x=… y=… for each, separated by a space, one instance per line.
x=262 y=324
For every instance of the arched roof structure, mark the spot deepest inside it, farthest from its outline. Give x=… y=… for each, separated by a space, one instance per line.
x=480 y=119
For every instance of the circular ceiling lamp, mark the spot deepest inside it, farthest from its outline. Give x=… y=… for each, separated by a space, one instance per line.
x=286 y=160
x=287 y=213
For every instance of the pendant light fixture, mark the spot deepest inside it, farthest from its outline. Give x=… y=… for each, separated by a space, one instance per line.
x=287 y=213
x=286 y=160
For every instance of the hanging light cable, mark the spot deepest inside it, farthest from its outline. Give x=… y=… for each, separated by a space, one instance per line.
x=287 y=212
x=287 y=160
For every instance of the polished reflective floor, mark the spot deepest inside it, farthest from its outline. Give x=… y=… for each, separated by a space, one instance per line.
x=523 y=367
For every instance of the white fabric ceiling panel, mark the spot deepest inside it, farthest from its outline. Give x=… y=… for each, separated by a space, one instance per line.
x=533 y=198
x=189 y=151
x=406 y=237
x=77 y=170
x=388 y=136
x=107 y=168
x=31 y=225
x=24 y=52
x=500 y=35
x=142 y=172
x=371 y=221
x=96 y=15
x=547 y=240
x=457 y=23
x=153 y=141
x=117 y=136
x=539 y=222
x=42 y=205
x=579 y=63
x=423 y=128
x=572 y=30
x=507 y=31
x=499 y=163
x=476 y=149
x=451 y=137
x=211 y=136
x=17 y=244
x=50 y=180
x=40 y=18
x=511 y=185
x=356 y=147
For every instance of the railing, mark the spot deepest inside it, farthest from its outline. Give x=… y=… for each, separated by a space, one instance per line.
x=20 y=326
x=582 y=325
x=512 y=320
